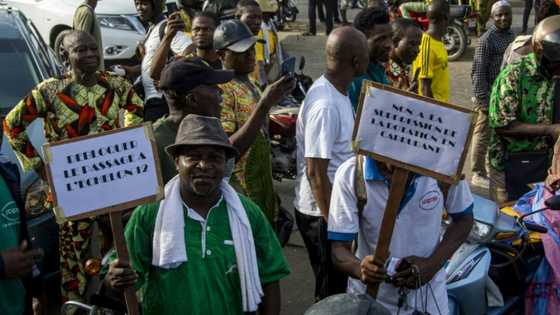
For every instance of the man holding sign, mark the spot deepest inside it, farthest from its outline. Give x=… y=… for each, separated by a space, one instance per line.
x=417 y=254
x=84 y=102
x=204 y=249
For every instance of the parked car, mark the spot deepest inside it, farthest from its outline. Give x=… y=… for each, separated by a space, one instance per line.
x=121 y=30
x=26 y=60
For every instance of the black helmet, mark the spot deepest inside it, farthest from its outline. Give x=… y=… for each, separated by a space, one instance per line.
x=233 y=35
x=547 y=34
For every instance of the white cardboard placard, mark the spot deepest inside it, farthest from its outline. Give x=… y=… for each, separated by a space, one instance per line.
x=429 y=137
x=111 y=171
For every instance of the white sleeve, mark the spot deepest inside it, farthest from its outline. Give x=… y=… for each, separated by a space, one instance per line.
x=180 y=42
x=343 y=211
x=321 y=126
x=459 y=199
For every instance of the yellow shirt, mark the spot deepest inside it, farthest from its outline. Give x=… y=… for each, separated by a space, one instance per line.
x=431 y=63
x=261 y=54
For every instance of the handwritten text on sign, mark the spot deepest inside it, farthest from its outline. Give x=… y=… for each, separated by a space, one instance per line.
x=100 y=172
x=413 y=131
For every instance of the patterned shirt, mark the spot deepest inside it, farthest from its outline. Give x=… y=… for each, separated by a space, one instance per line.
x=253 y=172
x=521 y=93
x=487 y=61
x=70 y=110
x=398 y=75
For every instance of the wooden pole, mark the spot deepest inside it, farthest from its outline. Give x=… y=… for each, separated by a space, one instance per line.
x=396 y=194
x=122 y=253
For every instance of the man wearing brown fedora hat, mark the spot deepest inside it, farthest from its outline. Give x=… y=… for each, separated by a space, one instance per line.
x=204 y=249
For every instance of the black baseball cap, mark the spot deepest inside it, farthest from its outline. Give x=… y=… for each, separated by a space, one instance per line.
x=183 y=75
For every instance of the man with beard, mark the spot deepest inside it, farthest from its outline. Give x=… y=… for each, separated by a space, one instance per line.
x=84 y=102
x=406 y=42
x=203 y=249
x=485 y=68
x=374 y=23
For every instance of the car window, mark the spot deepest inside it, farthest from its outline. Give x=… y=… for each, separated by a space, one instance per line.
x=20 y=73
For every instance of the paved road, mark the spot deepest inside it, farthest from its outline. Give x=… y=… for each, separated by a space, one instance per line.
x=297 y=289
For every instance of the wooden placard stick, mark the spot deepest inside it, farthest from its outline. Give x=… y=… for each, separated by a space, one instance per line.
x=122 y=253
x=396 y=194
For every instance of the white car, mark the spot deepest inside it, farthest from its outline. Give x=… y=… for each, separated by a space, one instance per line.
x=120 y=27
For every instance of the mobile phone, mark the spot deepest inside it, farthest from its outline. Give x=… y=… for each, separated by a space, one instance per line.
x=171 y=7
x=288 y=67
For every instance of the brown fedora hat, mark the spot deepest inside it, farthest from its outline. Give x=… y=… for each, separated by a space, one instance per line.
x=197 y=130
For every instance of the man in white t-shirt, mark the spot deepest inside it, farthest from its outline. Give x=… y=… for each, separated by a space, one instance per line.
x=415 y=240
x=159 y=30
x=324 y=141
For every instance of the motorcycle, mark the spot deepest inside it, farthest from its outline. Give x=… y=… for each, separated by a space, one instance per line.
x=490 y=273
x=282 y=128
x=456 y=40
x=287 y=12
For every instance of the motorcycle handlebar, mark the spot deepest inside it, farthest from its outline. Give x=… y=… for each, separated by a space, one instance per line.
x=535 y=227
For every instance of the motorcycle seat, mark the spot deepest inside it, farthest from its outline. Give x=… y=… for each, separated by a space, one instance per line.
x=458 y=11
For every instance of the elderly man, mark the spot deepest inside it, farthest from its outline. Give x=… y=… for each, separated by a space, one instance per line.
x=204 y=249
x=430 y=67
x=406 y=42
x=244 y=112
x=85 y=101
x=523 y=118
x=324 y=141
x=485 y=68
x=86 y=20
x=374 y=24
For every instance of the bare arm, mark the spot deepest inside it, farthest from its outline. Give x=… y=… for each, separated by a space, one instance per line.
x=243 y=138
x=344 y=260
x=455 y=234
x=174 y=24
x=516 y=128
x=427 y=88
x=271 y=301
x=321 y=186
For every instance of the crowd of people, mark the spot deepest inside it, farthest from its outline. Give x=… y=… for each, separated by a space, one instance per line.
x=207 y=81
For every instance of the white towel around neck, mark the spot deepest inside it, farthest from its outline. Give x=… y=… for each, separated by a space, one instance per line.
x=169 y=244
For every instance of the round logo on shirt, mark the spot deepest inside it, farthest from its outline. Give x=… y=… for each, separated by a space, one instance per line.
x=10 y=212
x=430 y=200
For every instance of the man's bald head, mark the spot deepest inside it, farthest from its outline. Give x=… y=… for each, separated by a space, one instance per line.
x=438 y=10
x=344 y=45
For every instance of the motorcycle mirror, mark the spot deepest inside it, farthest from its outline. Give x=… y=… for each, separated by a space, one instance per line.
x=301 y=63
x=553 y=203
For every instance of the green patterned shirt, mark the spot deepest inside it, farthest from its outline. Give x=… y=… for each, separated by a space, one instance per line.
x=520 y=93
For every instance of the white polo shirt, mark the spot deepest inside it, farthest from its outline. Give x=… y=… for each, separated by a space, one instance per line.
x=417 y=229
x=179 y=43
x=323 y=130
